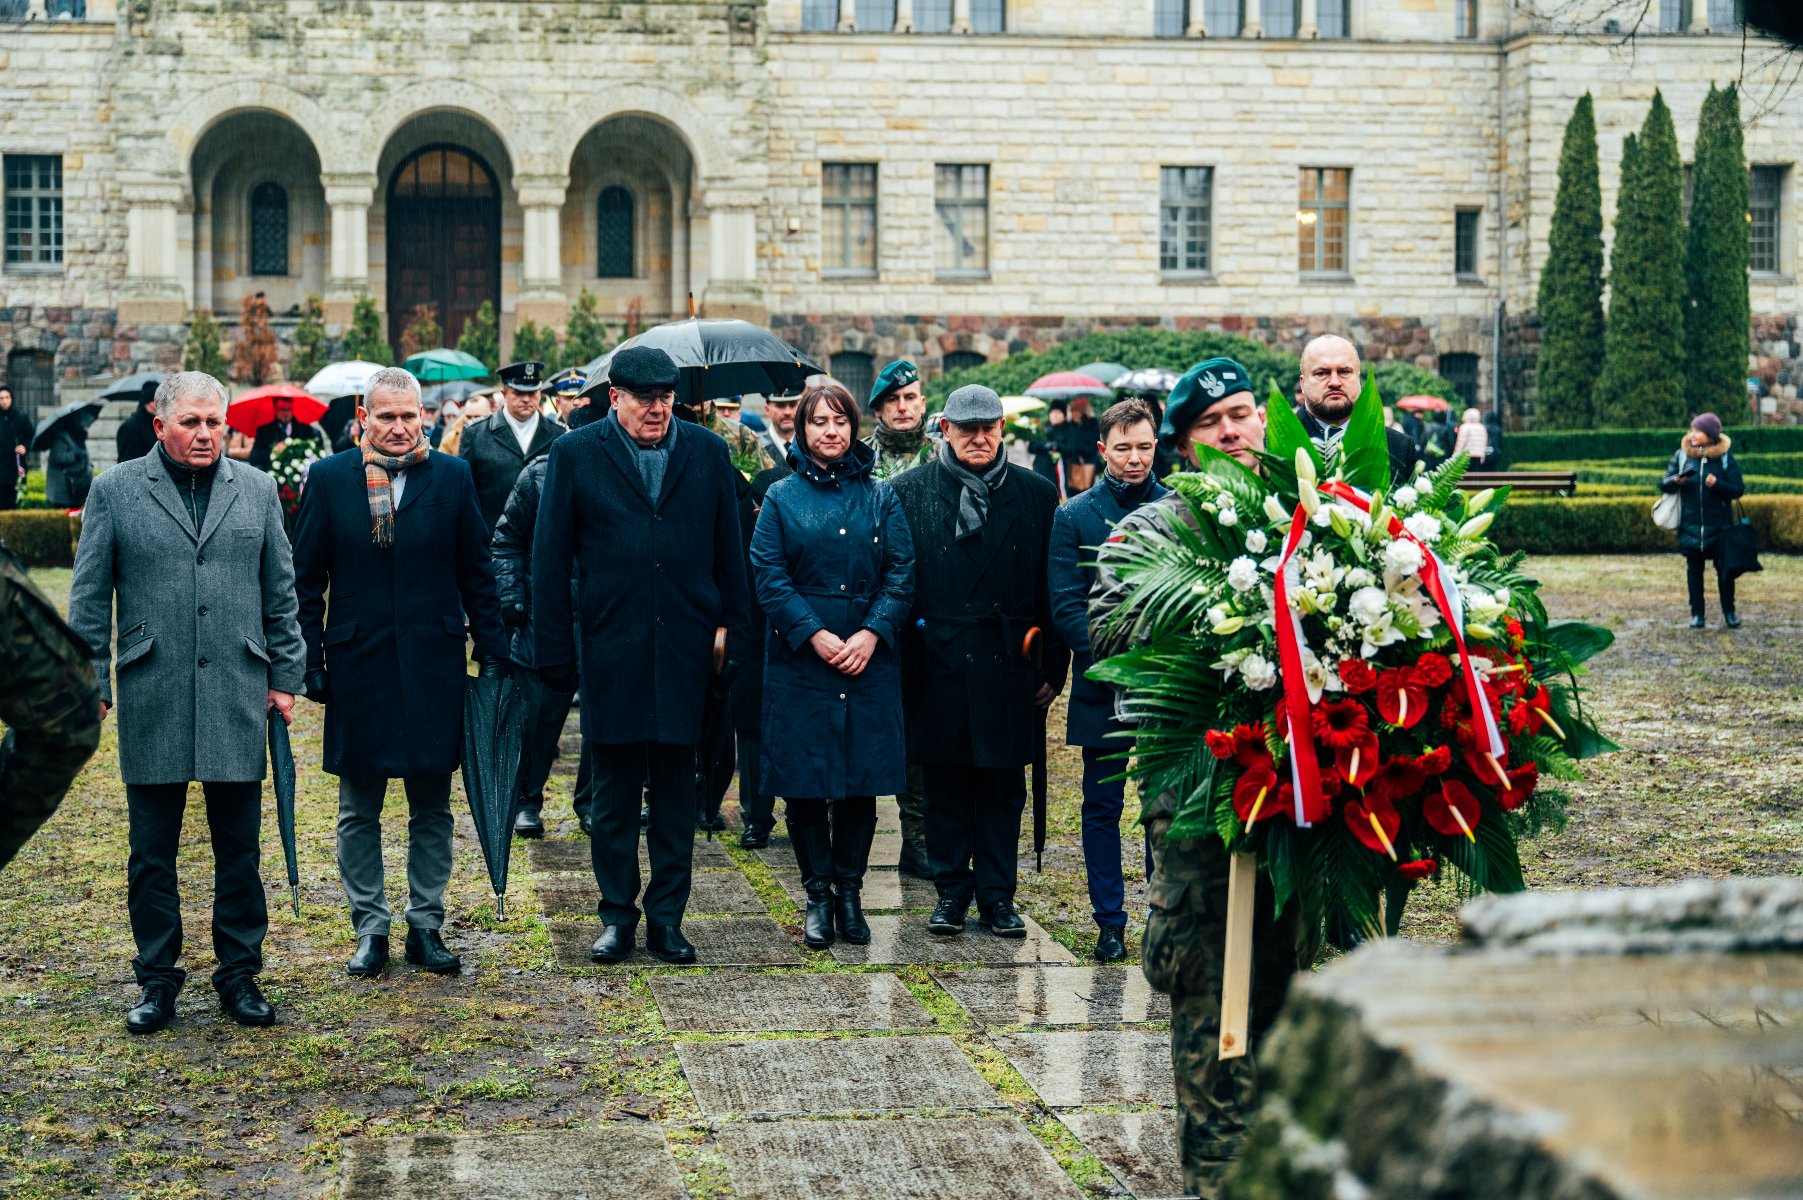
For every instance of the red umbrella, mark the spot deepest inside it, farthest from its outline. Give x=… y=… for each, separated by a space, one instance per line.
x=1423 y=403
x=252 y=410
x=1068 y=385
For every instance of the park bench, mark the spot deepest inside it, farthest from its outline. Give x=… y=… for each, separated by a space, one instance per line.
x=1555 y=483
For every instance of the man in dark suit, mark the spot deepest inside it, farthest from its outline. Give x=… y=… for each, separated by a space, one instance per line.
x=644 y=510
x=392 y=528
x=971 y=683
x=1330 y=385
x=280 y=429
x=499 y=447
x=1128 y=447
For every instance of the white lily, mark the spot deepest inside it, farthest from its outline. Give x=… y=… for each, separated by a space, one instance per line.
x=1378 y=635
x=1305 y=466
x=1477 y=525
x=1275 y=510
x=1307 y=495
x=1479 y=500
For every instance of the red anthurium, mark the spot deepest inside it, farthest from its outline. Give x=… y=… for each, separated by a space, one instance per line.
x=1396 y=779
x=1433 y=669
x=1340 y=723
x=1418 y=870
x=1255 y=796
x=1357 y=763
x=1375 y=822
x=1357 y=675
x=1220 y=743
x=1541 y=701
x=1452 y=810
x=1522 y=782
x=1401 y=697
x=1249 y=745
x=1488 y=767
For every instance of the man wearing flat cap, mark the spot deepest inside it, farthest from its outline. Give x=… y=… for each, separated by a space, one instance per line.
x=981 y=656
x=499 y=447
x=643 y=509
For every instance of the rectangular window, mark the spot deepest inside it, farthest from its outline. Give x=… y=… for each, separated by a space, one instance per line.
x=819 y=16
x=848 y=218
x=1464 y=18
x=1765 y=194
x=1185 y=203
x=876 y=16
x=988 y=16
x=1334 y=18
x=1464 y=242
x=1323 y=220
x=1280 y=17
x=1674 y=16
x=961 y=202
x=34 y=211
x=1725 y=16
x=932 y=16
x=1170 y=18
x=1460 y=370
x=1223 y=18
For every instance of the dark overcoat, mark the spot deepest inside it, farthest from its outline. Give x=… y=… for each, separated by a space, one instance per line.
x=1080 y=525
x=966 y=686
x=511 y=549
x=832 y=552
x=746 y=702
x=137 y=436
x=495 y=458
x=392 y=639
x=1705 y=512
x=653 y=581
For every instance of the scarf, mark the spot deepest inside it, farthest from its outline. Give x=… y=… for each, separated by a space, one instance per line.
x=378 y=475
x=1129 y=495
x=898 y=442
x=974 y=489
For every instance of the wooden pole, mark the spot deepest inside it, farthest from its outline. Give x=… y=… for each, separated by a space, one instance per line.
x=1236 y=978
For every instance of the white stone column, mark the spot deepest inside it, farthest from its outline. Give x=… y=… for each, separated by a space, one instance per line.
x=1699 y=17
x=680 y=284
x=348 y=198
x=960 y=16
x=1310 y=28
x=904 y=16
x=1197 y=26
x=848 y=16
x=1252 y=26
x=153 y=292
x=541 y=296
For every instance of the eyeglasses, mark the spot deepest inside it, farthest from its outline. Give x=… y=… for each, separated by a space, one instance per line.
x=651 y=400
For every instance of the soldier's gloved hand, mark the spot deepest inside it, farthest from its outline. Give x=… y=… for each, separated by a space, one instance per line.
x=318 y=688
x=559 y=679
x=514 y=616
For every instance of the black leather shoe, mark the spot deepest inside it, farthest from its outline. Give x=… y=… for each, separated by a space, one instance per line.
x=1001 y=920
x=1111 y=945
x=155 y=1008
x=582 y=819
x=425 y=948
x=666 y=942
x=243 y=1002
x=527 y=823
x=614 y=944
x=948 y=917
x=755 y=837
x=1696 y=622
x=370 y=958
x=1732 y=620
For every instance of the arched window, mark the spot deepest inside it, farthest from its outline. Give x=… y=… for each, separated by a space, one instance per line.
x=268 y=230
x=613 y=234
x=961 y=360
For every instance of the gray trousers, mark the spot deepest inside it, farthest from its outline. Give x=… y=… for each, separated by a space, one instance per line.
x=429 y=827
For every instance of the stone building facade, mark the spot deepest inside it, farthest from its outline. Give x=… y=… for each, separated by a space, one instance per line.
x=947 y=179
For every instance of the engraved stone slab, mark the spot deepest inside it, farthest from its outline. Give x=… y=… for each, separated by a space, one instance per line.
x=618 y=1160
x=779 y=855
x=718 y=941
x=1069 y=1069
x=911 y=1159
x=832 y=1075
x=883 y=890
x=1058 y=996
x=904 y=939
x=572 y=854
x=1140 y=1148
x=709 y=892
x=813 y=1003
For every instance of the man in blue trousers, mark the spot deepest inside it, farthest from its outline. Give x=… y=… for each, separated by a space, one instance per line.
x=1128 y=445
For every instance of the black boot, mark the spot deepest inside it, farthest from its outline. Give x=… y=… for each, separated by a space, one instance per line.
x=814 y=854
x=851 y=855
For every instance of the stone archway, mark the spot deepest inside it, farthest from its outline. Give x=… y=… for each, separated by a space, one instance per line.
x=259 y=218
x=631 y=190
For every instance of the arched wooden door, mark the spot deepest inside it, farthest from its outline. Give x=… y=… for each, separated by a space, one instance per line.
x=444 y=239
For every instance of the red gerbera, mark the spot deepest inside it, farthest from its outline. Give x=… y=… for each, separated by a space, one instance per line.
x=1249 y=747
x=1401 y=697
x=1357 y=675
x=1433 y=669
x=1452 y=810
x=1522 y=782
x=1375 y=822
x=1358 y=762
x=1255 y=796
x=1340 y=723
x=1418 y=870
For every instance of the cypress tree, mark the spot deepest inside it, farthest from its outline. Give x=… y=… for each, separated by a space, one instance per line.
x=364 y=340
x=1717 y=259
x=1643 y=348
x=1571 y=284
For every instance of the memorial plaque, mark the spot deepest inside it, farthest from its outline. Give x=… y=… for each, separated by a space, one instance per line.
x=772 y=1077
x=1103 y=1067
x=1140 y=1148
x=910 y=1159
x=572 y=854
x=1058 y=996
x=709 y=892
x=904 y=938
x=883 y=891
x=567 y=1164
x=806 y=1003
x=779 y=855
x=718 y=941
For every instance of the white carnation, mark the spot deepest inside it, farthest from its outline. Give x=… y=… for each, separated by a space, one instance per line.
x=1242 y=574
x=1405 y=497
x=1423 y=526
x=1256 y=541
x=1358 y=577
x=1368 y=605
x=1227 y=517
x=1258 y=672
x=1402 y=558
x=1216 y=615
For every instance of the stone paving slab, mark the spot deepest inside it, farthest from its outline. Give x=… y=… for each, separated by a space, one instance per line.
x=709 y=892
x=618 y=1160
x=1058 y=996
x=884 y=891
x=904 y=938
x=779 y=855
x=735 y=1003
x=572 y=854
x=1139 y=1147
x=1098 y=1067
x=910 y=1159
x=719 y=942
x=813 y=1076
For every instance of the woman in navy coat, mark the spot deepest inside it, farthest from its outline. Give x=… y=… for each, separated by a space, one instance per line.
x=833 y=568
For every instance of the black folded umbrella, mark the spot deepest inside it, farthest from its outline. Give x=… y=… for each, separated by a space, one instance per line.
x=718 y=357
x=82 y=413
x=281 y=772
x=494 y=728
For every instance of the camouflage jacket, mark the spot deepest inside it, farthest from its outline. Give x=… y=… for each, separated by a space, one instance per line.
x=890 y=463
x=748 y=453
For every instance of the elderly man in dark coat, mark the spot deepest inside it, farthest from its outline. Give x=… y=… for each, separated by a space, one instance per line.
x=972 y=677
x=191 y=546
x=498 y=448
x=391 y=528
x=644 y=510
x=1129 y=447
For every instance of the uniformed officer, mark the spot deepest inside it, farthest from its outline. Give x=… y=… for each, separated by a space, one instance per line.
x=499 y=447
x=564 y=390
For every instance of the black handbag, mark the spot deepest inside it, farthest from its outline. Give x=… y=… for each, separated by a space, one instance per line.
x=1740 y=546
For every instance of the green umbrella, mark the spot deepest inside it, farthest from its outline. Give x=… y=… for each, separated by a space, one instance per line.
x=1107 y=372
x=442 y=366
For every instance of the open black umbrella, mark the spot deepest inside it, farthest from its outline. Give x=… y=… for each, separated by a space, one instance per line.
x=494 y=728
x=281 y=771
x=718 y=357
x=457 y=389
x=77 y=412
x=132 y=386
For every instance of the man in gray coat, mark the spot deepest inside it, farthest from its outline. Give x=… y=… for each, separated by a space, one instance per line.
x=191 y=545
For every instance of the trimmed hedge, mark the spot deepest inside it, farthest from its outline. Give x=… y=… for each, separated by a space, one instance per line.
x=1595 y=445
x=1624 y=525
x=41 y=537
x=1648 y=478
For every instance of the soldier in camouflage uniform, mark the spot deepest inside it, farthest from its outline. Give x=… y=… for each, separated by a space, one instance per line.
x=50 y=704
x=1186 y=933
